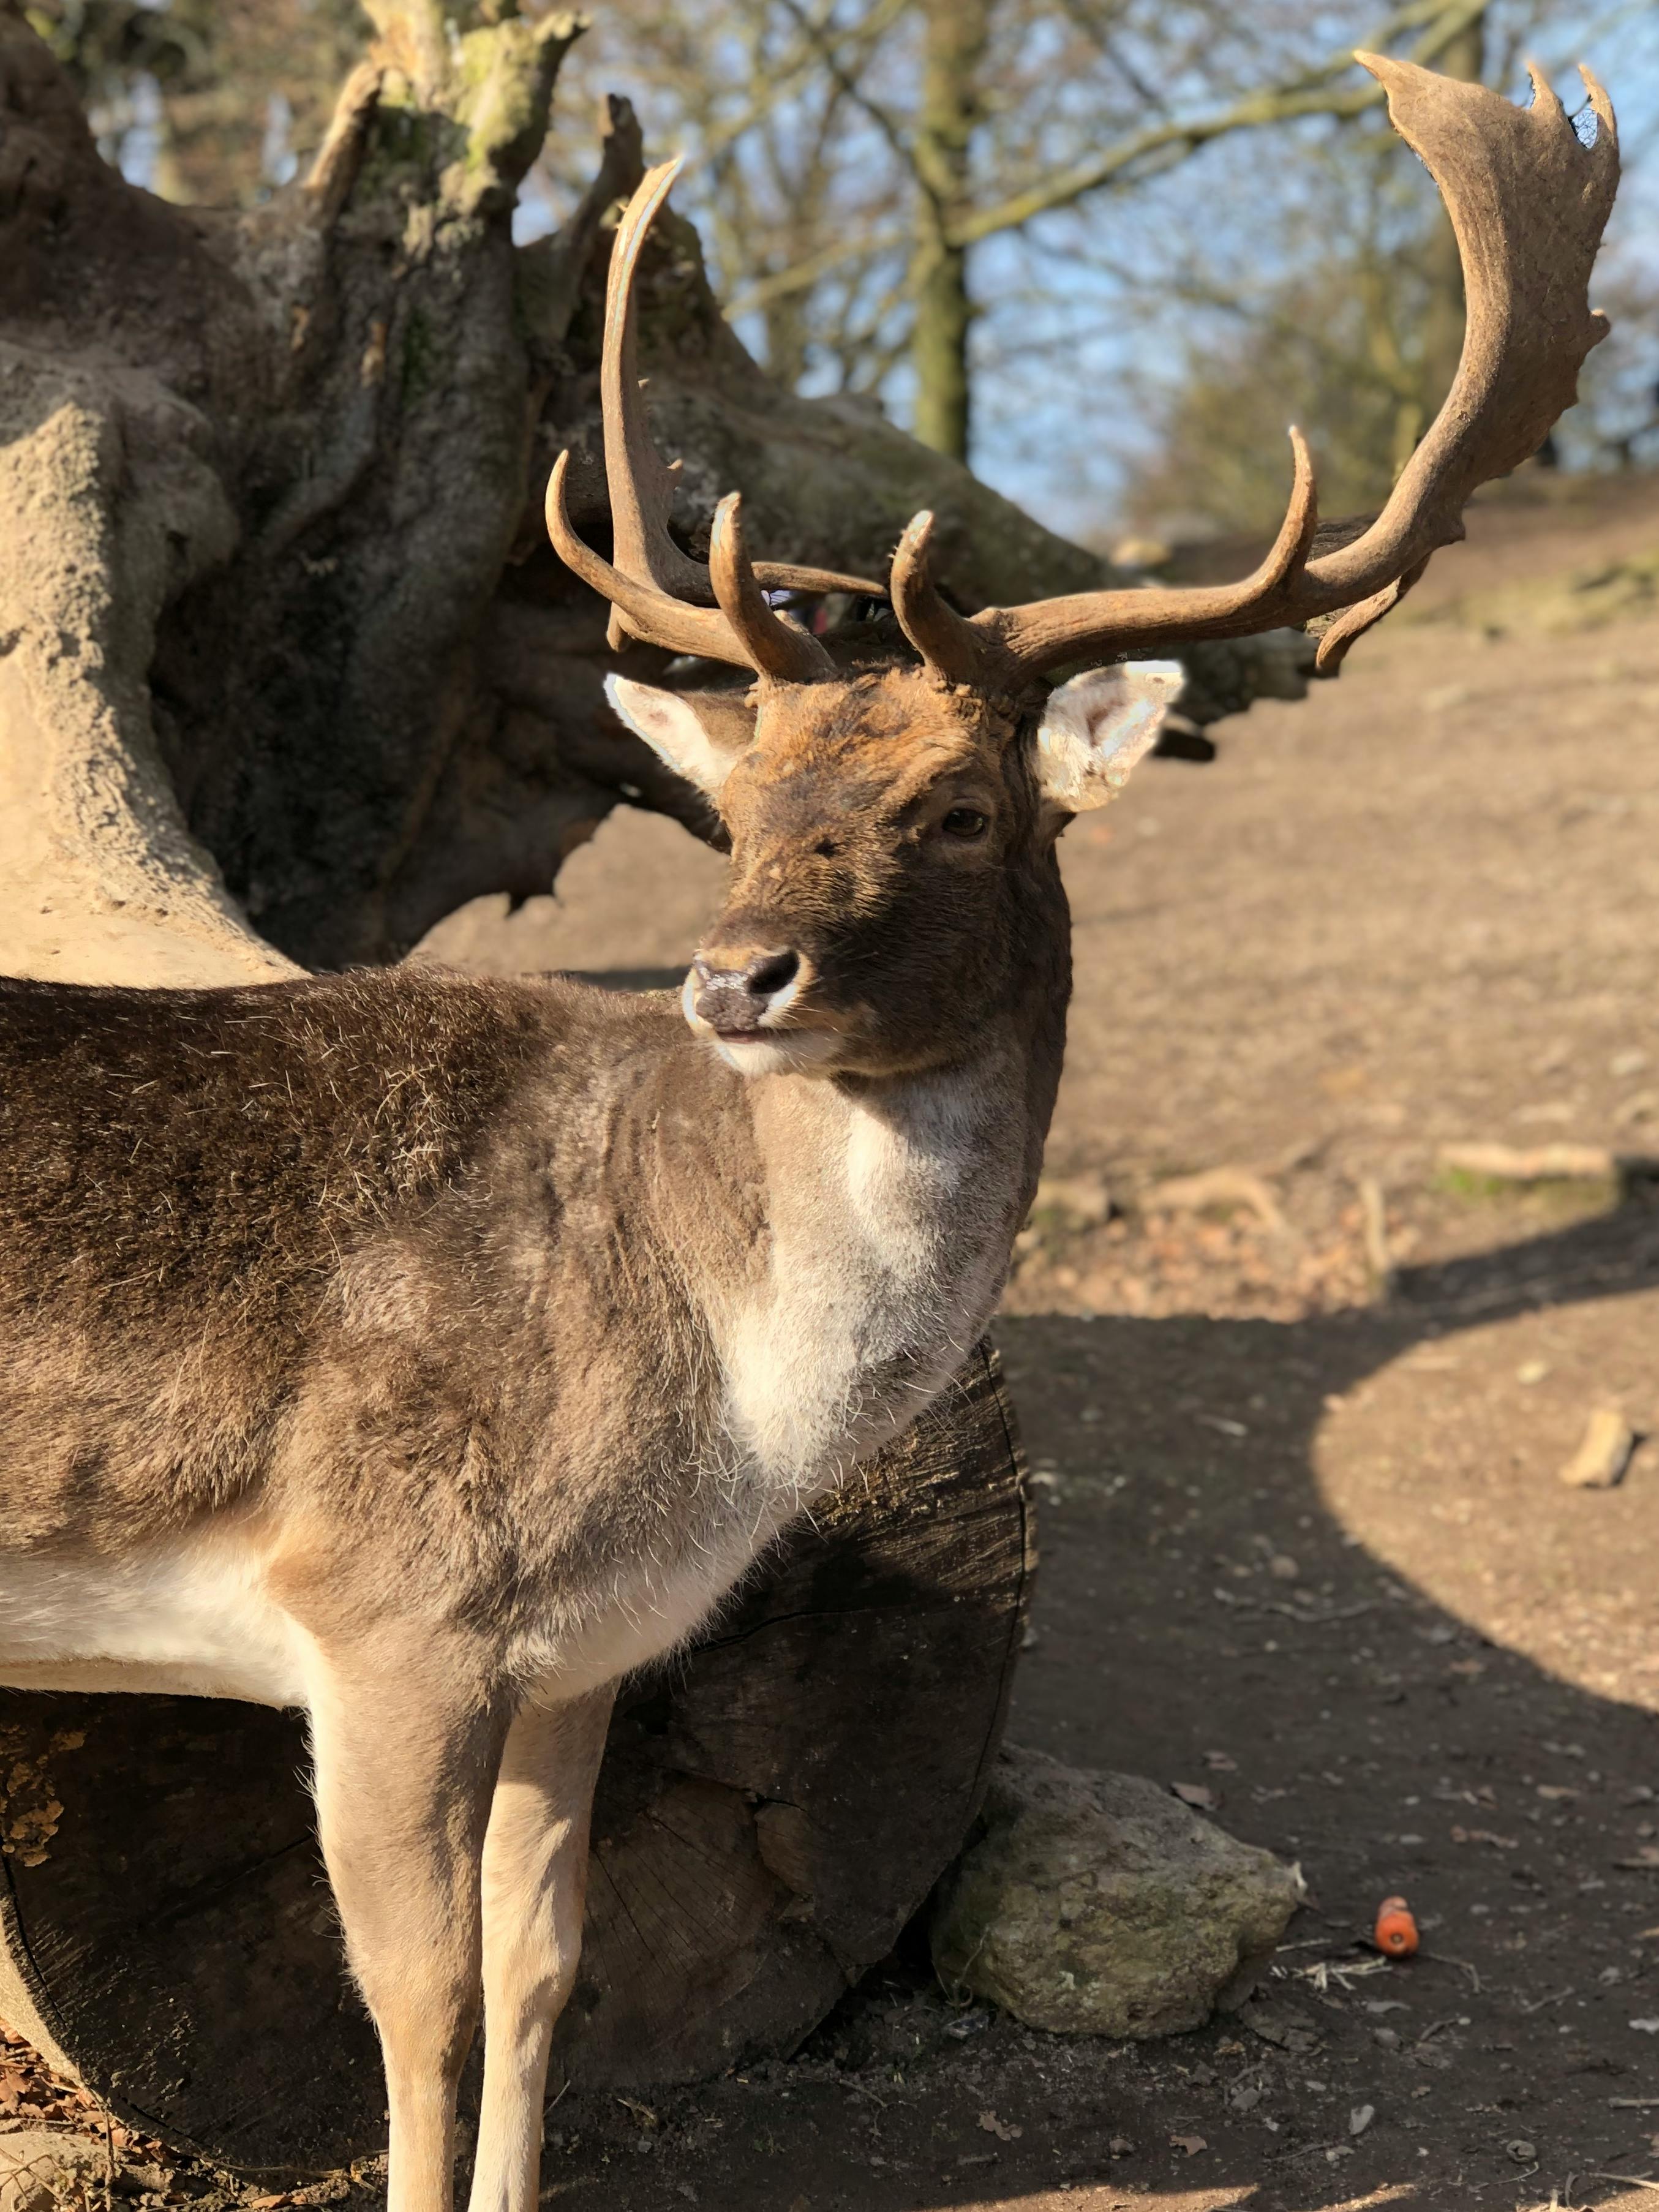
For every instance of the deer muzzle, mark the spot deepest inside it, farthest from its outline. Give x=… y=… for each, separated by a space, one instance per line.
x=743 y=992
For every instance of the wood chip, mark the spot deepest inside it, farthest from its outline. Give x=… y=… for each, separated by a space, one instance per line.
x=1604 y=1454
x=1559 y=1163
x=1215 y=1187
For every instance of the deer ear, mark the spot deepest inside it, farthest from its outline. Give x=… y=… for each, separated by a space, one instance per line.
x=698 y=734
x=1095 y=728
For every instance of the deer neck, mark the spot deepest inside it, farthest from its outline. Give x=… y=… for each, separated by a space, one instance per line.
x=889 y=1210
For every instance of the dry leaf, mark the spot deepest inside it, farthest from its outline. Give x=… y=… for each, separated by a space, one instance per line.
x=1004 y=2131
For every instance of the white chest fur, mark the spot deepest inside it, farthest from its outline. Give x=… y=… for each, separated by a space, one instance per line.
x=889 y=1234
x=890 y=1224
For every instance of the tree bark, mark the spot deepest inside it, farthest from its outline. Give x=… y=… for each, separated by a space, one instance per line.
x=956 y=34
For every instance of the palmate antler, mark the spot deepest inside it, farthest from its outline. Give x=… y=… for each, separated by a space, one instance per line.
x=1528 y=201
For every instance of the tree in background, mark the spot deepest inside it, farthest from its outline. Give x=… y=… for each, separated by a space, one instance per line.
x=865 y=156
x=207 y=100
x=970 y=210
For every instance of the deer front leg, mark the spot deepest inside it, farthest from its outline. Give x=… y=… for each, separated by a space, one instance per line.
x=407 y=1744
x=535 y=1879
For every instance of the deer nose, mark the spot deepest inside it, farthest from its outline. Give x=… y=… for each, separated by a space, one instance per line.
x=734 y=995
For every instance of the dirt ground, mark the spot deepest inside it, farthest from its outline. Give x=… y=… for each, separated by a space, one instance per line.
x=1297 y=1443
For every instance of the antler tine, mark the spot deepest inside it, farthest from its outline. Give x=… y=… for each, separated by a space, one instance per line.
x=776 y=647
x=1527 y=202
x=657 y=592
x=654 y=615
x=946 y=641
x=641 y=483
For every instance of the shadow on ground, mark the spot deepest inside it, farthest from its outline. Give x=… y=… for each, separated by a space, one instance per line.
x=1242 y=1523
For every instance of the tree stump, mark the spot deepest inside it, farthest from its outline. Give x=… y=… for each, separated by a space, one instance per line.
x=774 y=1807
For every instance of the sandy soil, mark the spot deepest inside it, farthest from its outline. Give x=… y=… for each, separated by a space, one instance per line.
x=1304 y=1541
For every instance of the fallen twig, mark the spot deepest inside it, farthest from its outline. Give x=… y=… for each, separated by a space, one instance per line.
x=1217 y=1186
x=1374 y=1217
x=1244 y=1607
x=1447 y=1959
x=859 y=2090
x=1557 y=1163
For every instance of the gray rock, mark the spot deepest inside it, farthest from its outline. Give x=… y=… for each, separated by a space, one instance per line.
x=1098 y=1904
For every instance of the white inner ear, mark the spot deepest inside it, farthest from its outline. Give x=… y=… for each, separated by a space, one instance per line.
x=672 y=726
x=1096 y=728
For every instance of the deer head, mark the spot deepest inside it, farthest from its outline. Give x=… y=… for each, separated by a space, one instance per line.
x=893 y=801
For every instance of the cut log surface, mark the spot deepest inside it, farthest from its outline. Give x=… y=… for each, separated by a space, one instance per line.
x=775 y=1805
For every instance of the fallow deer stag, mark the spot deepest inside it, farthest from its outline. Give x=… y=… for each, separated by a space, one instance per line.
x=428 y=1351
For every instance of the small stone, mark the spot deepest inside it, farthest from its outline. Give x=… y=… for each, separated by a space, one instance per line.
x=1601 y=1458
x=1285 y=2025
x=1360 y=2118
x=1097 y=1903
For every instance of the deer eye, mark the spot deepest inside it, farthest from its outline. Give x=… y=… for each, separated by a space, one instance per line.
x=965 y=822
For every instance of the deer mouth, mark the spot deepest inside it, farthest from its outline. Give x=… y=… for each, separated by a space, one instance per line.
x=765 y=1039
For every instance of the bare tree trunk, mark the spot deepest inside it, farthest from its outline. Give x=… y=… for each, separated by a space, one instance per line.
x=957 y=34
